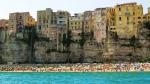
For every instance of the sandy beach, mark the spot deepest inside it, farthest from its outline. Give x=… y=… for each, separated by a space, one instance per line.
x=124 y=67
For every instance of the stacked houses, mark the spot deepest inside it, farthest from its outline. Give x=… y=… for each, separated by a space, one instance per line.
x=98 y=26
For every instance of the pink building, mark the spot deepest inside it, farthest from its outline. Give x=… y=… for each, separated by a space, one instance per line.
x=100 y=24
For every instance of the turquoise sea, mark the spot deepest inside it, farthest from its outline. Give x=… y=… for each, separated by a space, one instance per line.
x=75 y=78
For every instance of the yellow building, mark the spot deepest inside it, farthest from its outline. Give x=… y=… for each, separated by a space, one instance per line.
x=20 y=20
x=127 y=17
x=111 y=19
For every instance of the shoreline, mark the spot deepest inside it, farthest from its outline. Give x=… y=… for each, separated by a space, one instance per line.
x=95 y=67
x=71 y=72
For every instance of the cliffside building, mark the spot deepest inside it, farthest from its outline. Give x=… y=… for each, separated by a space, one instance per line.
x=76 y=26
x=100 y=24
x=19 y=20
x=128 y=16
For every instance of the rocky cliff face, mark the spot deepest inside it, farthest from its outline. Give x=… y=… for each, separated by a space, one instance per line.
x=18 y=51
x=12 y=50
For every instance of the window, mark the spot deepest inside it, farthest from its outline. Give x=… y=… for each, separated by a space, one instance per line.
x=113 y=24
x=52 y=21
x=20 y=17
x=133 y=13
x=60 y=17
x=144 y=17
x=139 y=17
x=120 y=18
x=119 y=9
x=127 y=18
x=86 y=22
x=75 y=23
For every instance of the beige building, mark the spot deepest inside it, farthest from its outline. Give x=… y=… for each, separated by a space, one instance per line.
x=52 y=25
x=76 y=26
x=62 y=19
x=20 y=20
x=47 y=18
x=128 y=16
x=147 y=16
x=88 y=21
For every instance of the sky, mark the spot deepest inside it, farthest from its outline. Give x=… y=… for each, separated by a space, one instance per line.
x=73 y=6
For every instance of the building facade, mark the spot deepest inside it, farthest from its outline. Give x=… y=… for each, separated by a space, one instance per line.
x=111 y=19
x=128 y=16
x=100 y=20
x=19 y=20
x=62 y=19
x=45 y=18
x=149 y=10
x=147 y=16
x=3 y=24
x=3 y=30
x=76 y=26
x=88 y=21
x=53 y=25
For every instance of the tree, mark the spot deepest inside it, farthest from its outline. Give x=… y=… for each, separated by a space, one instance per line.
x=134 y=42
x=91 y=34
x=32 y=38
x=29 y=38
x=146 y=25
x=64 y=41
x=115 y=36
x=82 y=40
x=67 y=44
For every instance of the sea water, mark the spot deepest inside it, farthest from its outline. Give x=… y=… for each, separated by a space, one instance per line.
x=74 y=78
